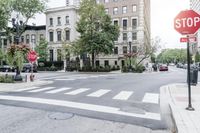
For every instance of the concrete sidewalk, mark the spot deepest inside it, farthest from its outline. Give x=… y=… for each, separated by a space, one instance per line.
x=185 y=121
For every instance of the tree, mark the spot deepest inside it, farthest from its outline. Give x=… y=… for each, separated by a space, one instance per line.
x=197 y=57
x=41 y=49
x=146 y=51
x=97 y=34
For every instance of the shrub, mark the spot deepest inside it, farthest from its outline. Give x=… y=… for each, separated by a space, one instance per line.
x=6 y=79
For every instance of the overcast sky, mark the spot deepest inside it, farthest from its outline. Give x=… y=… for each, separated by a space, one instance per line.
x=162 y=15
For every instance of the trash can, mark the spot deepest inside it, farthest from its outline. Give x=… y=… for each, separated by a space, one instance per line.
x=193 y=76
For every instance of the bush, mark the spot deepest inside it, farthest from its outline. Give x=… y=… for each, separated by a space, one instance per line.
x=139 y=68
x=6 y=79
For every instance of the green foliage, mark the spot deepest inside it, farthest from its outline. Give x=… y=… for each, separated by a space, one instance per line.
x=197 y=57
x=41 y=49
x=6 y=79
x=172 y=55
x=97 y=34
x=16 y=55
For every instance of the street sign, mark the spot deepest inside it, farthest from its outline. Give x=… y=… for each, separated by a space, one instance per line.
x=187 y=22
x=32 y=56
x=190 y=39
x=183 y=39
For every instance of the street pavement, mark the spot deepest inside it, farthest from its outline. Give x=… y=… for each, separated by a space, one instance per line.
x=125 y=98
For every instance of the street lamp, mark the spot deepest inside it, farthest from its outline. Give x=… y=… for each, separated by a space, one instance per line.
x=18 y=27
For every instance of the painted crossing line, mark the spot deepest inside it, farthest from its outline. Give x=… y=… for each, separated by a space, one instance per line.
x=99 y=93
x=58 y=90
x=151 y=98
x=43 y=89
x=78 y=91
x=123 y=95
x=25 y=89
x=65 y=79
x=83 y=106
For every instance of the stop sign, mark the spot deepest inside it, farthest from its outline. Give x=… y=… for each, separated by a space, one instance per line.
x=187 y=22
x=32 y=56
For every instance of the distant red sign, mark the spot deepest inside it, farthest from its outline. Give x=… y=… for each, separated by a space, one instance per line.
x=183 y=39
x=32 y=56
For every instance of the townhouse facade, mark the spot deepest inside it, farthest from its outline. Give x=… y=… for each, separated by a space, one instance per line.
x=60 y=28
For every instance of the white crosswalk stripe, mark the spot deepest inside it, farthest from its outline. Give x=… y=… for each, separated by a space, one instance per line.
x=25 y=89
x=58 y=90
x=151 y=98
x=123 y=95
x=43 y=89
x=65 y=79
x=99 y=93
x=78 y=91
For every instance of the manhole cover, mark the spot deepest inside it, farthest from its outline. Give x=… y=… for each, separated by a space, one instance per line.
x=60 y=116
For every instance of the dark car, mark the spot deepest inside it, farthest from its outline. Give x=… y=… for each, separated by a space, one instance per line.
x=163 y=67
x=6 y=68
x=28 y=66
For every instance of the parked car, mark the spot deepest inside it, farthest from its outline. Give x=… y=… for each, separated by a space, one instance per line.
x=163 y=67
x=28 y=66
x=6 y=68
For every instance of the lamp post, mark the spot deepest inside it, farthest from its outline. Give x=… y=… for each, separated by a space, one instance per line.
x=17 y=26
x=130 y=52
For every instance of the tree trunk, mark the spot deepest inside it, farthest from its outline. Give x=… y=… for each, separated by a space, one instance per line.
x=93 y=59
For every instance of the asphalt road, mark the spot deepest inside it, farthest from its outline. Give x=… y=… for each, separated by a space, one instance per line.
x=127 y=98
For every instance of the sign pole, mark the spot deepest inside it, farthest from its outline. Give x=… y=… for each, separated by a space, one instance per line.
x=190 y=108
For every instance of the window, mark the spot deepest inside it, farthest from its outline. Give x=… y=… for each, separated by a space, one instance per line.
x=15 y=39
x=107 y=10
x=124 y=36
x=58 y=36
x=97 y=63
x=5 y=42
x=134 y=49
x=116 y=22
x=27 y=39
x=98 y=1
x=106 y=63
x=115 y=10
x=67 y=19
x=125 y=24
x=67 y=34
x=51 y=36
x=115 y=62
x=115 y=0
x=116 y=50
x=51 y=21
x=124 y=9
x=134 y=8
x=59 y=20
x=106 y=1
x=134 y=36
x=134 y=23
x=22 y=39
x=67 y=2
x=51 y=54
x=33 y=39
x=124 y=49
x=59 y=55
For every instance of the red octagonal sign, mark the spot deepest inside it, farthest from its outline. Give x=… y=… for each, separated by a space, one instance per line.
x=187 y=22
x=32 y=56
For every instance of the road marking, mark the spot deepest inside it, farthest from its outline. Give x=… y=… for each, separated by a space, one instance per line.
x=43 y=89
x=25 y=89
x=151 y=98
x=123 y=95
x=65 y=79
x=78 y=91
x=98 y=93
x=83 y=106
x=58 y=90
x=81 y=77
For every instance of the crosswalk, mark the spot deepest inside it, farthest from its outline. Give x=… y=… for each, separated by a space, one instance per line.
x=152 y=98
x=75 y=77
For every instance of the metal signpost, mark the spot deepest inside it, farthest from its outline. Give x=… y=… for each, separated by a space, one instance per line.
x=187 y=23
